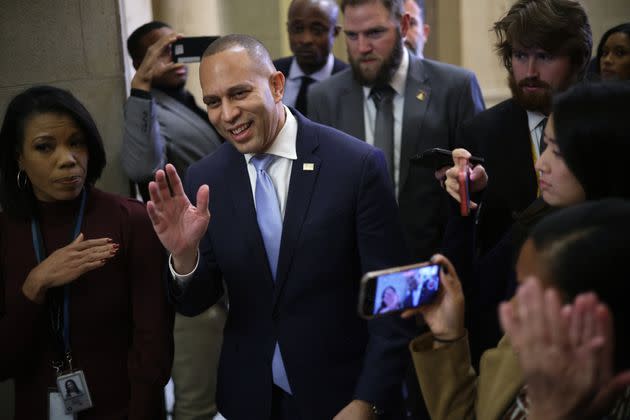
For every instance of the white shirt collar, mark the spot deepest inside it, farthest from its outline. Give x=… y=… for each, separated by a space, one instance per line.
x=295 y=72
x=534 y=118
x=284 y=144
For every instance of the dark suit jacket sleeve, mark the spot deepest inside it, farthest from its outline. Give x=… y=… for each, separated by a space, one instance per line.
x=143 y=146
x=471 y=102
x=205 y=288
x=381 y=245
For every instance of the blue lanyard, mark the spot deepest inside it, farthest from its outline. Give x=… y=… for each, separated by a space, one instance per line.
x=38 y=244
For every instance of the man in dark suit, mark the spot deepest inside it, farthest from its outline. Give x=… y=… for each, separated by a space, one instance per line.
x=545 y=46
x=430 y=101
x=312 y=28
x=419 y=30
x=299 y=212
x=412 y=295
x=163 y=124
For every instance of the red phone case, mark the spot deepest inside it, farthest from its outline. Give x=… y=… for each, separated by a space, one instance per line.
x=464 y=195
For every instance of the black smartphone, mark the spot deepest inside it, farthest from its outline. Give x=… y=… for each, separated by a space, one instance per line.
x=437 y=158
x=190 y=49
x=398 y=288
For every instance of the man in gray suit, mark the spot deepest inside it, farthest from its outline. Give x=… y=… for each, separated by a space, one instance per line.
x=429 y=101
x=163 y=125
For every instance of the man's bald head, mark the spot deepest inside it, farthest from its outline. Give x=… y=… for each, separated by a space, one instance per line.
x=312 y=28
x=258 y=54
x=329 y=7
x=243 y=92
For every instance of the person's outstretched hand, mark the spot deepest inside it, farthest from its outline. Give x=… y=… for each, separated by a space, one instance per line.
x=179 y=225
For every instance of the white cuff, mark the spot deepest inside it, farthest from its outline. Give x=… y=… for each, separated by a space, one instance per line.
x=182 y=279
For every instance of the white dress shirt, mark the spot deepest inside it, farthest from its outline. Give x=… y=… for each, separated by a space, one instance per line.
x=398 y=83
x=284 y=147
x=294 y=79
x=415 y=296
x=535 y=131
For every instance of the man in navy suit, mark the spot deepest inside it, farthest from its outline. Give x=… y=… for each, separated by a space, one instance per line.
x=294 y=346
x=312 y=28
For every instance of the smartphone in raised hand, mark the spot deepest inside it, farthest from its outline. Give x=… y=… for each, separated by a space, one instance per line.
x=190 y=49
x=464 y=191
x=396 y=289
x=437 y=158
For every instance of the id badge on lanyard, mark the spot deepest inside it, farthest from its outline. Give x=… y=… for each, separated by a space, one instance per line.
x=72 y=391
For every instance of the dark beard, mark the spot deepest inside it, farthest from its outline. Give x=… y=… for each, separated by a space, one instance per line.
x=388 y=68
x=531 y=101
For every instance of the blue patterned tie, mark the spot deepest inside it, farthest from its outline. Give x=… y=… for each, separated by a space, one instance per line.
x=270 y=225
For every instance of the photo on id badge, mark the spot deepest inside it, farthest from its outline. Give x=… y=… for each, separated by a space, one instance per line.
x=74 y=392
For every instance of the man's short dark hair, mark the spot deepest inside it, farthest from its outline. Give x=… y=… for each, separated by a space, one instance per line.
x=556 y=26
x=585 y=249
x=37 y=100
x=255 y=49
x=395 y=7
x=134 y=46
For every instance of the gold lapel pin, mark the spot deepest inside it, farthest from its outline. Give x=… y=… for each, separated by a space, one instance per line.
x=421 y=95
x=308 y=167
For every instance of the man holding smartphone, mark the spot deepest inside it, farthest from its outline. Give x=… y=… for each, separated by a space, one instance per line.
x=163 y=124
x=545 y=46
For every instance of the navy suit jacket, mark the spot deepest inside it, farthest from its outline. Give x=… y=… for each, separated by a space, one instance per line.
x=340 y=221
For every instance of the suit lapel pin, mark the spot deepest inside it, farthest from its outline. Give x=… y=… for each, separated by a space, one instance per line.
x=308 y=167
x=421 y=95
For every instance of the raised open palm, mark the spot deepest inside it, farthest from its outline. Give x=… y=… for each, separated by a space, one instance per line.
x=179 y=225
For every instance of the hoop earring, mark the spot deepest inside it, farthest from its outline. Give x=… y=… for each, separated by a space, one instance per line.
x=21 y=184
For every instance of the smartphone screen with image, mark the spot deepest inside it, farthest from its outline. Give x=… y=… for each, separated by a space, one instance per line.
x=398 y=288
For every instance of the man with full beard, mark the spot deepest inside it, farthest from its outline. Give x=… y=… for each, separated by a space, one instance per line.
x=545 y=46
x=425 y=103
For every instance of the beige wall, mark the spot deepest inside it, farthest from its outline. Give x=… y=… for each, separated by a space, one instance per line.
x=604 y=14
x=71 y=44
x=133 y=14
x=198 y=18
